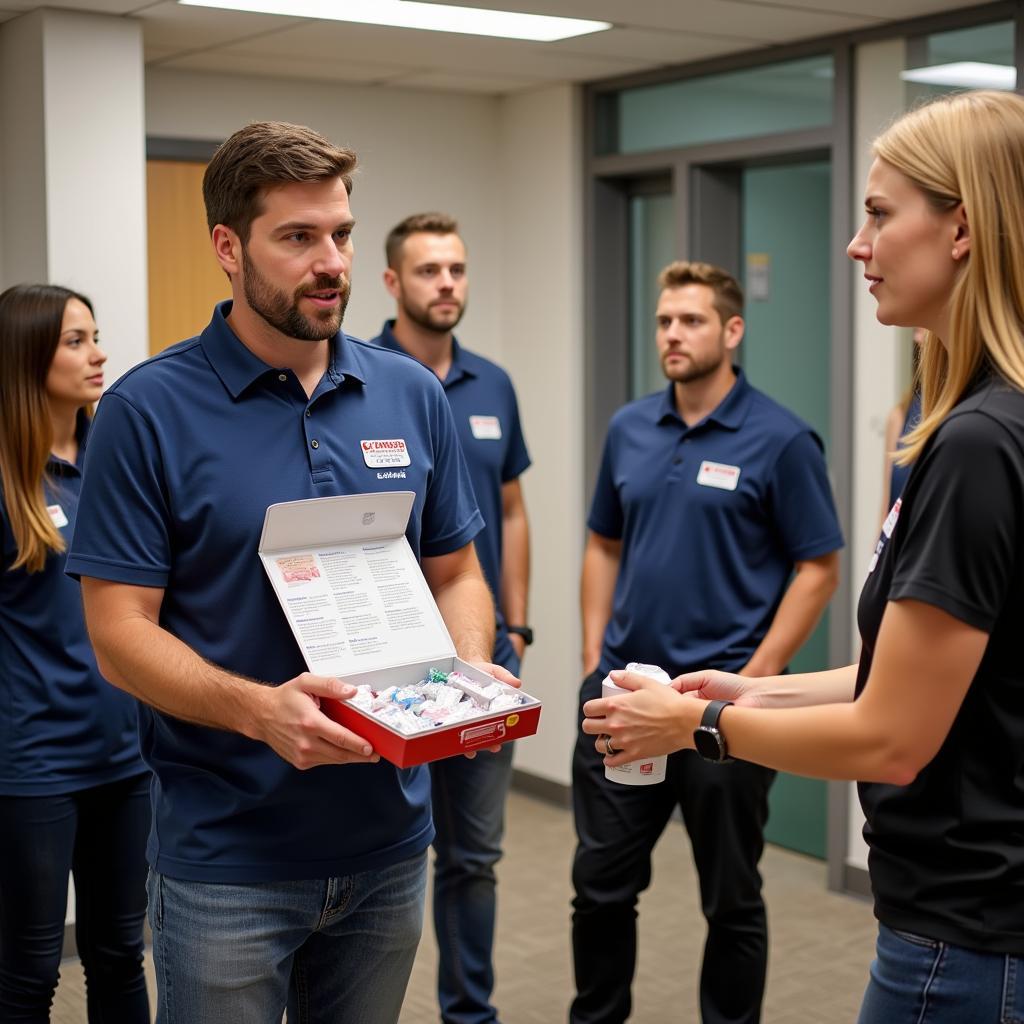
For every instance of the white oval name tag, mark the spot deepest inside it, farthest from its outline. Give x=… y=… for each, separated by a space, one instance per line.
x=385 y=453
x=485 y=428
x=718 y=474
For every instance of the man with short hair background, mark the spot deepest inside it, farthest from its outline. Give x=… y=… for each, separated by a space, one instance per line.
x=713 y=543
x=426 y=275
x=288 y=861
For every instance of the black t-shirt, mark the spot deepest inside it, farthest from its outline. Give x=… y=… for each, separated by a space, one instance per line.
x=947 y=851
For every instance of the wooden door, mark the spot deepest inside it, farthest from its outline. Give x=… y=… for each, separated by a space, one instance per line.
x=184 y=278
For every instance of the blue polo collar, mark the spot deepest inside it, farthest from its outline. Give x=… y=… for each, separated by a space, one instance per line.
x=55 y=464
x=729 y=413
x=456 y=371
x=238 y=368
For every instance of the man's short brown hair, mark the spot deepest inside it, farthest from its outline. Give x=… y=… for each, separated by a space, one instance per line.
x=257 y=158
x=414 y=224
x=728 y=300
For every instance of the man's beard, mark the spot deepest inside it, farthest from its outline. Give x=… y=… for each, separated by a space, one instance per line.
x=694 y=369
x=432 y=319
x=281 y=311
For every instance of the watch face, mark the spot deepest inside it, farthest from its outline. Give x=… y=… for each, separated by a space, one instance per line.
x=708 y=743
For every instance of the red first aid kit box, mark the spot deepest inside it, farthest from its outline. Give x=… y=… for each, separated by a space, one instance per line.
x=360 y=610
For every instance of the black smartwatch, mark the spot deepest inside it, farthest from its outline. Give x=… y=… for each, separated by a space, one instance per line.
x=707 y=737
x=524 y=631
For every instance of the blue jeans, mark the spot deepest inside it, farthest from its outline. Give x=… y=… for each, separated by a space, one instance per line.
x=469 y=819
x=915 y=980
x=99 y=835
x=333 y=951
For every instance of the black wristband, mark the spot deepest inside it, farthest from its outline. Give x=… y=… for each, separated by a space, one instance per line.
x=524 y=631
x=707 y=738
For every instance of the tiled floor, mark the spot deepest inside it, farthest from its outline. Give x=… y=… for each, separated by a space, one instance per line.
x=821 y=943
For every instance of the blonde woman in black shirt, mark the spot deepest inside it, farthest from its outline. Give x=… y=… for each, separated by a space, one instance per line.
x=931 y=720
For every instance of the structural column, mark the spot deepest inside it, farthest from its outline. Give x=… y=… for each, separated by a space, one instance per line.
x=73 y=166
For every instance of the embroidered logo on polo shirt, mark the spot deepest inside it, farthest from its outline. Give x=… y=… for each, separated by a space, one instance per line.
x=57 y=517
x=718 y=474
x=485 y=428
x=385 y=453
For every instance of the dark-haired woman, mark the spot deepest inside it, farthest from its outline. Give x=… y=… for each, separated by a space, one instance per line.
x=74 y=793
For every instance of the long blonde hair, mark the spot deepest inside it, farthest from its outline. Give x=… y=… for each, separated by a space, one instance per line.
x=30 y=321
x=969 y=148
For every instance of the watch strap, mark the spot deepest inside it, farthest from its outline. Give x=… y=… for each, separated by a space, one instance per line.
x=709 y=730
x=713 y=711
x=525 y=632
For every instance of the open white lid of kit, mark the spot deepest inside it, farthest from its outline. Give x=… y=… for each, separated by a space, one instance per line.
x=350 y=585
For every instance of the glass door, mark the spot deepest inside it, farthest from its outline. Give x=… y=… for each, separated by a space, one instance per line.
x=652 y=246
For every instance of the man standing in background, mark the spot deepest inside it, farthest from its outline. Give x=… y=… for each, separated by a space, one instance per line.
x=426 y=275
x=713 y=543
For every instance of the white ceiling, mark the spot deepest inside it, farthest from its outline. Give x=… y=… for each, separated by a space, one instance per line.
x=646 y=34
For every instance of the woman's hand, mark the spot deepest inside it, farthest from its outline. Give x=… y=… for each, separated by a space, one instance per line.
x=710 y=684
x=654 y=719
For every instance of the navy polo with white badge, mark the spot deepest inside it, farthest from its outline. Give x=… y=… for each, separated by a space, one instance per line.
x=188 y=450
x=486 y=412
x=712 y=518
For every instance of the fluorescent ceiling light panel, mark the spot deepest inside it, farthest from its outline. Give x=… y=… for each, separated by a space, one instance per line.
x=965 y=74
x=472 y=21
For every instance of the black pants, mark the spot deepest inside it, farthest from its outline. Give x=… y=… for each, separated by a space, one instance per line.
x=99 y=834
x=724 y=808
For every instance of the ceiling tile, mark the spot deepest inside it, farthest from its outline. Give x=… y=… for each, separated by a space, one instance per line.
x=492 y=85
x=880 y=9
x=169 y=26
x=233 y=63
x=666 y=47
x=438 y=51
x=82 y=6
x=722 y=17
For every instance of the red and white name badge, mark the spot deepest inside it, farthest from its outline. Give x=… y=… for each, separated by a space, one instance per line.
x=385 y=453
x=57 y=516
x=485 y=428
x=720 y=475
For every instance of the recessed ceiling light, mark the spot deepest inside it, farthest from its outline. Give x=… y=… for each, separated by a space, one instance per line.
x=411 y=14
x=965 y=74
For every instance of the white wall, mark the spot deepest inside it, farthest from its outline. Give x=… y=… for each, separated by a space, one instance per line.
x=542 y=347
x=417 y=151
x=96 y=174
x=878 y=350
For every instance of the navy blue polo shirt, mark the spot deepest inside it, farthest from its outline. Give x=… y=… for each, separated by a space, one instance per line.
x=188 y=450
x=486 y=412
x=712 y=518
x=63 y=727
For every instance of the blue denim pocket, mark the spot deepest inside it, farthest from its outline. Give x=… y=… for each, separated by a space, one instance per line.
x=917 y=940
